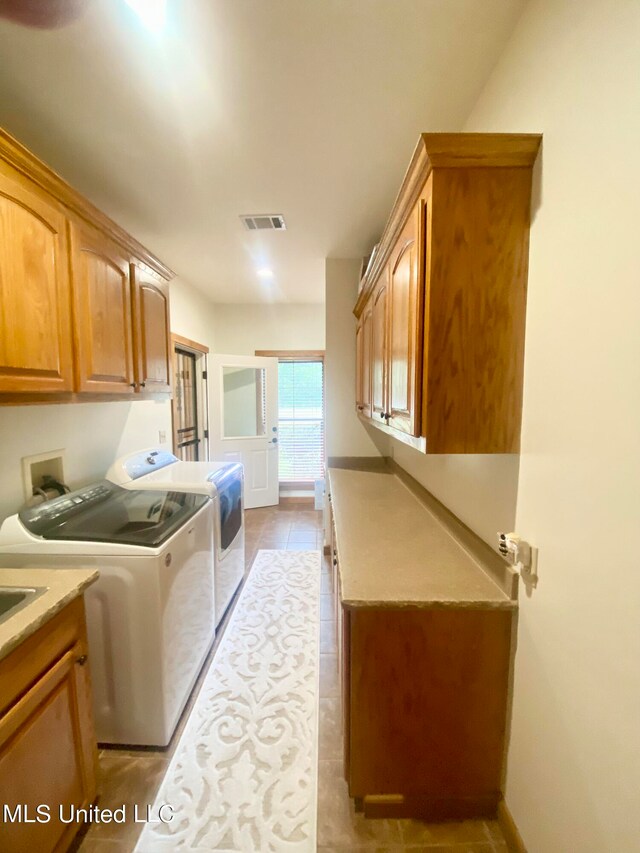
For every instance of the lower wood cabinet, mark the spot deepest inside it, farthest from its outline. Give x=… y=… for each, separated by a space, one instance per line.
x=424 y=707
x=48 y=755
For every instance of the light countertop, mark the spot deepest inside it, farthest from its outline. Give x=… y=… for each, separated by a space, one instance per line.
x=63 y=585
x=394 y=552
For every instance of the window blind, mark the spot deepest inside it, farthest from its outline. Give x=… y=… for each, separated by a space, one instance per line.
x=301 y=420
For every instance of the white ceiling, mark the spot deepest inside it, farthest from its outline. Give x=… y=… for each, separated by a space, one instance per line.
x=309 y=108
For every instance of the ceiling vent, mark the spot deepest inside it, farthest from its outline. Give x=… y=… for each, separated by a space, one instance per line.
x=264 y=222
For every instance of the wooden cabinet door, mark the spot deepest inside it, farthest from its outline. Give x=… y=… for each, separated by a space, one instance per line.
x=151 y=332
x=405 y=329
x=363 y=363
x=359 y=354
x=35 y=305
x=102 y=298
x=44 y=759
x=379 y=350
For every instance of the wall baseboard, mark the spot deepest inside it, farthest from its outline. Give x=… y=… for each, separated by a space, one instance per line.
x=298 y=501
x=510 y=830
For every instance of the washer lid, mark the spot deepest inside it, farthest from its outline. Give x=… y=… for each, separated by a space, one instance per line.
x=104 y=512
x=199 y=477
x=139 y=464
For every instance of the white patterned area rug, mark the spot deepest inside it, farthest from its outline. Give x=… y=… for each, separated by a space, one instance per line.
x=244 y=774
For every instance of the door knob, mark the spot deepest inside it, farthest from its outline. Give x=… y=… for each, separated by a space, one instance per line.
x=274 y=441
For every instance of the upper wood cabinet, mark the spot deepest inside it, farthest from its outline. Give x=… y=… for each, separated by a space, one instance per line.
x=405 y=327
x=102 y=298
x=363 y=363
x=450 y=278
x=84 y=309
x=151 y=330
x=379 y=349
x=35 y=329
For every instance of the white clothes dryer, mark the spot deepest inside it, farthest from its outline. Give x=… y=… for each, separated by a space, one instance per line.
x=221 y=482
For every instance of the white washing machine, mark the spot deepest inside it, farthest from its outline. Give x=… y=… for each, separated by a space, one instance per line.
x=150 y=615
x=222 y=482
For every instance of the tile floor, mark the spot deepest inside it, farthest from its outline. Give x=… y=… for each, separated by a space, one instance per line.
x=134 y=776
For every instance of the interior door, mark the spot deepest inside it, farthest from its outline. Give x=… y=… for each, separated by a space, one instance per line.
x=244 y=426
x=187 y=444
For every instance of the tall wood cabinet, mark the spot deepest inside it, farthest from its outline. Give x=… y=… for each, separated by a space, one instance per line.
x=84 y=308
x=447 y=292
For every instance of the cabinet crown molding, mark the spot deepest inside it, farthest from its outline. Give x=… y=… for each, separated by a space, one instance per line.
x=446 y=151
x=14 y=153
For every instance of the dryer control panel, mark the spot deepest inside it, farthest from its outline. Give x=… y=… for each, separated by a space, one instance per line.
x=144 y=462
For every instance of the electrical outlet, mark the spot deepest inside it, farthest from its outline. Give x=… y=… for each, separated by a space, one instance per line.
x=162 y=436
x=521 y=555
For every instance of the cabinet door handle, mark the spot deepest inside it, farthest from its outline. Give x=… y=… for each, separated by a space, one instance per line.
x=142 y=384
x=132 y=385
x=81 y=660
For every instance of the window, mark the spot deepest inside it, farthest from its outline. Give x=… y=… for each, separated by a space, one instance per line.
x=301 y=419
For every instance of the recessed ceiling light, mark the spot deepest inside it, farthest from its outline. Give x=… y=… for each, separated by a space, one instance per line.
x=265 y=272
x=152 y=13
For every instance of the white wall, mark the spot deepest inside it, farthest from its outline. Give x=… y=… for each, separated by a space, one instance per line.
x=345 y=435
x=192 y=314
x=480 y=490
x=243 y=329
x=93 y=435
x=572 y=71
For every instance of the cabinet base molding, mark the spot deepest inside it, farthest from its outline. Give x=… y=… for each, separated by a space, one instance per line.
x=509 y=829
x=69 y=397
x=434 y=809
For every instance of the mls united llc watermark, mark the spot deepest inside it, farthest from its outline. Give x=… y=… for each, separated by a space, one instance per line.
x=65 y=813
